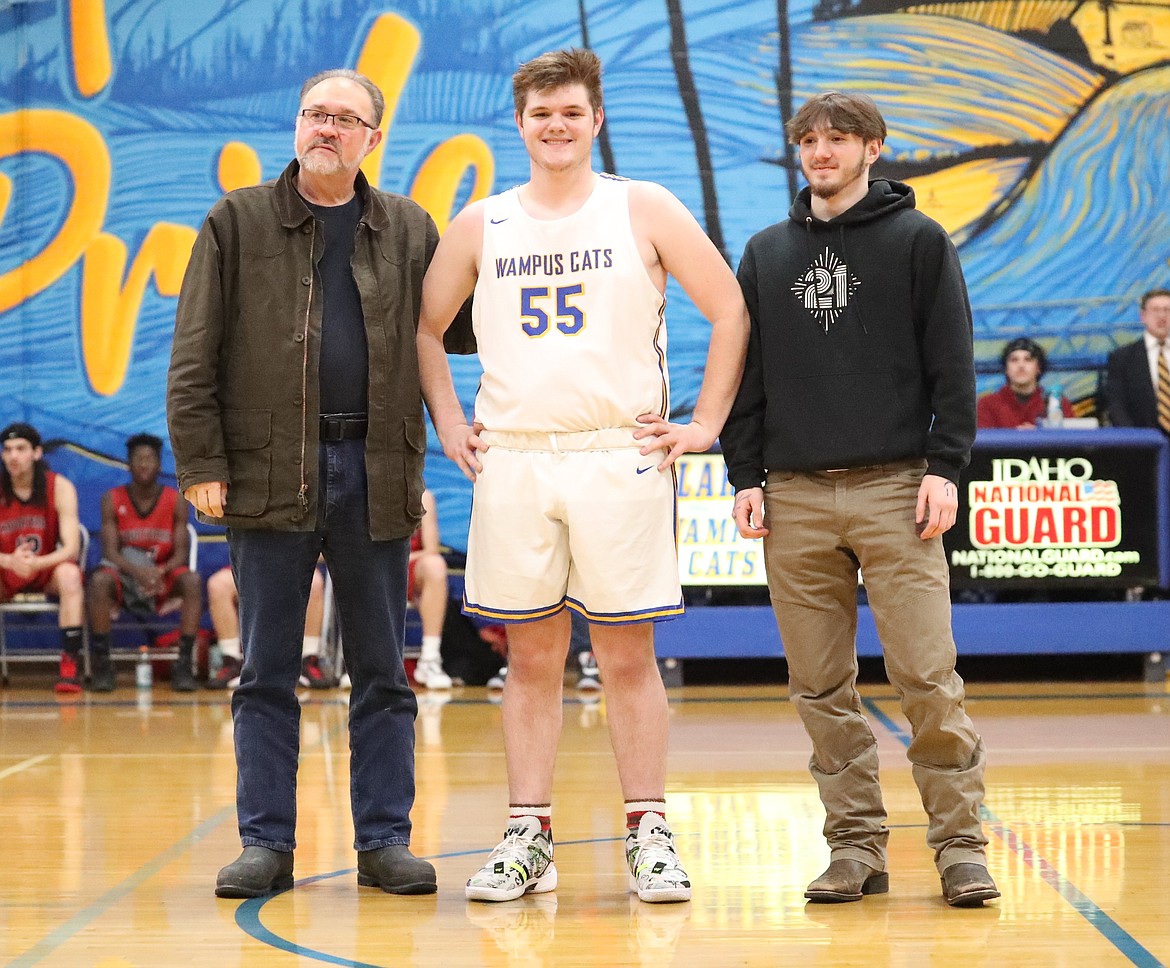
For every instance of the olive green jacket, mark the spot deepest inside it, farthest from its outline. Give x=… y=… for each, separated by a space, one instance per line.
x=242 y=392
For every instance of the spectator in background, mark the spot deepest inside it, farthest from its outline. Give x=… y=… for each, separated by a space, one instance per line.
x=145 y=549
x=223 y=602
x=40 y=539
x=427 y=589
x=1137 y=389
x=1021 y=401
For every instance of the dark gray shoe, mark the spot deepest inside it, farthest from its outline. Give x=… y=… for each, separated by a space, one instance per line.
x=847 y=880
x=256 y=872
x=102 y=674
x=396 y=870
x=967 y=885
x=182 y=676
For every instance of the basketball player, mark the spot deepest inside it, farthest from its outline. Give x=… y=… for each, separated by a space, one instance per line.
x=427 y=588
x=40 y=539
x=145 y=549
x=571 y=450
x=223 y=604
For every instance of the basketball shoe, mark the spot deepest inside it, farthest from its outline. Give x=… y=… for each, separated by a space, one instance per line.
x=228 y=676
x=313 y=676
x=429 y=674
x=655 y=871
x=67 y=677
x=589 y=678
x=520 y=864
x=101 y=678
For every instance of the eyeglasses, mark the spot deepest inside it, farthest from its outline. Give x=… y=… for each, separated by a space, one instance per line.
x=346 y=122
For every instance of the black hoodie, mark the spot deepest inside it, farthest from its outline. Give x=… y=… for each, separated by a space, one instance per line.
x=860 y=349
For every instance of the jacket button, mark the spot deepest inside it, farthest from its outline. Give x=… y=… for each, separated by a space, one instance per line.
x=306 y=228
x=305 y=280
x=300 y=337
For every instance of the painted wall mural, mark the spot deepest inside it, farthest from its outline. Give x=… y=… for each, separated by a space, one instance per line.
x=1036 y=131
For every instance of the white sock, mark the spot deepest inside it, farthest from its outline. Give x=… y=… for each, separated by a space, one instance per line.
x=430 y=648
x=312 y=645
x=541 y=811
x=230 y=647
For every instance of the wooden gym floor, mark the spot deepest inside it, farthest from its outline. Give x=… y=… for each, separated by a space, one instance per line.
x=119 y=811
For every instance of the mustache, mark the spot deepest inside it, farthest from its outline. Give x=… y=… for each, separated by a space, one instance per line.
x=327 y=142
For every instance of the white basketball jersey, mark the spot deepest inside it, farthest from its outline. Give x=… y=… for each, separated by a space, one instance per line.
x=571 y=329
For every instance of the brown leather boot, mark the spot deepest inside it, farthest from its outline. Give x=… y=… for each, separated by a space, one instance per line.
x=967 y=885
x=847 y=880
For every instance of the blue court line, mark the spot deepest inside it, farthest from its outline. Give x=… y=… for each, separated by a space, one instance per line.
x=91 y=912
x=1121 y=939
x=248 y=913
x=248 y=919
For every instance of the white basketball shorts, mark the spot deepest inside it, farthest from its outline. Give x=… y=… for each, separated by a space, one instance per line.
x=577 y=519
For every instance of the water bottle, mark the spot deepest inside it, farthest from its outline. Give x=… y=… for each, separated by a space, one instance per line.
x=143 y=672
x=214 y=661
x=1055 y=416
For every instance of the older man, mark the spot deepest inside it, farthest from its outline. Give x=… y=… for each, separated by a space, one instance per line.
x=296 y=420
x=1138 y=387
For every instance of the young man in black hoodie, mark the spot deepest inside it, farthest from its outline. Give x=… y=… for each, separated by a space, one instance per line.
x=853 y=421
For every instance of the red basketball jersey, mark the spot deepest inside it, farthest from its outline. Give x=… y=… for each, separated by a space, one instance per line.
x=153 y=532
x=32 y=525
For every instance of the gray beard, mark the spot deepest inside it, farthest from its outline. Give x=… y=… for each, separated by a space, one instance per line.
x=318 y=166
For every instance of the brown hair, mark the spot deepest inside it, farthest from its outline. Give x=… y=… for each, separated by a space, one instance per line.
x=376 y=98
x=558 y=68
x=1152 y=294
x=848 y=113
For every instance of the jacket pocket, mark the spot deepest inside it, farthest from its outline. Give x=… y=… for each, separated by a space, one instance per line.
x=392 y=247
x=247 y=438
x=415 y=434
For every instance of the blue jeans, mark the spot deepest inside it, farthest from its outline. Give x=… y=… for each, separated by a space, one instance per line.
x=273 y=571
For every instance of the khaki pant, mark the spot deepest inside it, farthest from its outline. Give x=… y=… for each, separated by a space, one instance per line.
x=823 y=526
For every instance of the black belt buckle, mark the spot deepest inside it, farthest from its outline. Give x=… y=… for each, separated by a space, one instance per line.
x=335 y=427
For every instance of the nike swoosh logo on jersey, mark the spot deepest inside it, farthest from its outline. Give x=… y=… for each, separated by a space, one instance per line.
x=497 y=221
x=643 y=470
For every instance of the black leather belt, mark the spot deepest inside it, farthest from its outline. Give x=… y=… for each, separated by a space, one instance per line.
x=343 y=426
